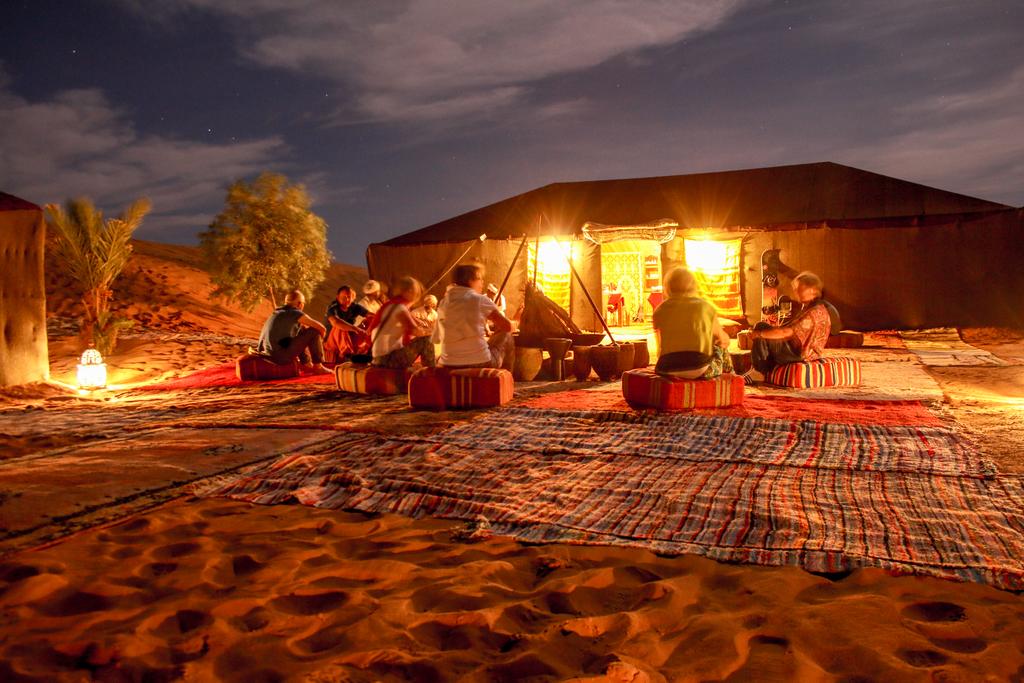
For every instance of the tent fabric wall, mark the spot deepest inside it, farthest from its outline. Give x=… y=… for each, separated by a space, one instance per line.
x=426 y=262
x=23 y=348
x=964 y=272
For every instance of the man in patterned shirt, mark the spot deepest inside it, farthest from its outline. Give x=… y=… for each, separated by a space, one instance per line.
x=803 y=338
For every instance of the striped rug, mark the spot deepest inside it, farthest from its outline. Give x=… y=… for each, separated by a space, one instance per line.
x=703 y=438
x=877 y=502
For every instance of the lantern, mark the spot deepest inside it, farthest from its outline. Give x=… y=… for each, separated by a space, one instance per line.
x=92 y=371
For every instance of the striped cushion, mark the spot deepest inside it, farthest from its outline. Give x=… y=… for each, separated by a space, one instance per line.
x=252 y=367
x=643 y=388
x=442 y=389
x=823 y=372
x=366 y=379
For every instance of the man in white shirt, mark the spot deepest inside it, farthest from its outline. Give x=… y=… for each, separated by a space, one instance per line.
x=462 y=319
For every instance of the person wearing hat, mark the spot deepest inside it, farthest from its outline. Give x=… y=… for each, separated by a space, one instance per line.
x=426 y=315
x=371 y=296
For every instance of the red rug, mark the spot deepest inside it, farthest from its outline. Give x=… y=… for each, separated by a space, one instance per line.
x=224 y=376
x=889 y=413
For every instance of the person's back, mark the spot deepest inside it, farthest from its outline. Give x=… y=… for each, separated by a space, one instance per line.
x=685 y=323
x=283 y=323
x=461 y=326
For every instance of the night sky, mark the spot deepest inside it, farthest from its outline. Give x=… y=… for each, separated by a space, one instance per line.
x=399 y=114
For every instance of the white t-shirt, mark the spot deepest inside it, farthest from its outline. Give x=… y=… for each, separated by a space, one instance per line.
x=461 y=327
x=388 y=336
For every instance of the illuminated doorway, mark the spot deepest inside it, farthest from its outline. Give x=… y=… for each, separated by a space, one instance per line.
x=631 y=269
x=716 y=264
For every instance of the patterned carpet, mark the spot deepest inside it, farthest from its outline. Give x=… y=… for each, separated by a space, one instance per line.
x=824 y=496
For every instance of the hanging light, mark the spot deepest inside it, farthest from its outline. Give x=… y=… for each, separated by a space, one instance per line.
x=92 y=371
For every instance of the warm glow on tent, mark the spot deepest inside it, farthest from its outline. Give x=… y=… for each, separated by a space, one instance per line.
x=92 y=371
x=709 y=256
x=553 y=273
x=716 y=264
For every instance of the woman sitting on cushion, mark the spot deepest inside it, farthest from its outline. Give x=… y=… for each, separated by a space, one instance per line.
x=398 y=339
x=802 y=338
x=691 y=342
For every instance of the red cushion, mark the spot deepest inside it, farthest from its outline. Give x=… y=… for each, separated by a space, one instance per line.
x=442 y=389
x=368 y=379
x=252 y=367
x=813 y=374
x=643 y=388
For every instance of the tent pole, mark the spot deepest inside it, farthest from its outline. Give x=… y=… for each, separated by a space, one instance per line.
x=508 y=274
x=536 y=253
x=579 y=280
x=440 y=277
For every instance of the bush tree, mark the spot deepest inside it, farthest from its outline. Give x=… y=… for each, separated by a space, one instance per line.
x=265 y=242
x=94 y=252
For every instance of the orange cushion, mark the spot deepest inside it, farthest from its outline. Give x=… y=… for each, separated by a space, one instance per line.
x=357 y=378
x=443 y=389
x=252 y=367
x=643 y=388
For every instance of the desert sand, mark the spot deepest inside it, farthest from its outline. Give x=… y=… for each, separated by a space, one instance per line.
x=111 y=570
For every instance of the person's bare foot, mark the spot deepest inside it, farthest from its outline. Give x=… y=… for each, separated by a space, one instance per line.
x=318 y=369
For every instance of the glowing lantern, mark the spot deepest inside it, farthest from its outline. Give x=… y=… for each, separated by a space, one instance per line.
x=92 y=371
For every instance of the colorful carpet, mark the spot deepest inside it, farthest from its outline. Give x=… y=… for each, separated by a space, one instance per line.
x=609 y=398
x=821 y=519
x=704 y=438
x=822 y=496
x=224 y=376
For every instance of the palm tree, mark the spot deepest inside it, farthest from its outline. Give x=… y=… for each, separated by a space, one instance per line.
x=94 y=252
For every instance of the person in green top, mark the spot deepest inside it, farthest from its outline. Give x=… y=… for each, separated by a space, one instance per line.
x=691 y=342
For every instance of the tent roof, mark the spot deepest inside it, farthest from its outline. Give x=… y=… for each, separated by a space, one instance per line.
x=8 y=202
x=800 y=193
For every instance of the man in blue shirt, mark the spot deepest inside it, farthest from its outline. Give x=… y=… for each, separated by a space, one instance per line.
x=289 y=335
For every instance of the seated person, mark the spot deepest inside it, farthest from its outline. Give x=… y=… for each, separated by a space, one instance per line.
x=426 y=315
x=343 y=335
x=462 y=320
x=371 y=299
x=691 y=341
x=802 y=338
x=289 y=334
x=398 y=340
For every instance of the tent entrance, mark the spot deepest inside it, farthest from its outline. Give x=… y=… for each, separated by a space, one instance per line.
x=554 y=277
x=630 y=280
x=716 y=264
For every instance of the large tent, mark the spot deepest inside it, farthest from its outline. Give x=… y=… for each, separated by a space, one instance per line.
x=893 y=254
x=23 y=351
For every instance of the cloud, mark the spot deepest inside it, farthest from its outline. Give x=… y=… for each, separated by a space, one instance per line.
x=77 y=143
x=968 y=138
x=431 y=59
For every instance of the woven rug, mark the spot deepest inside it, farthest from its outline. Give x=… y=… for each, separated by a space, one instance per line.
x=704 y=438
x=224 y=376
x=609 y=398
x=943 y=347
x=823 y=519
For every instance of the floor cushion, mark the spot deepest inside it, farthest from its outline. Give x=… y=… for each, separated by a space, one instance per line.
x=357 y=378
x=250 y=367
x=643 y=388
x=847 y=339
x=812 y=374
x=443 y=389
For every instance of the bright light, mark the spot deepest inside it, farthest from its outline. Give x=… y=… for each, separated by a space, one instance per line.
x=92 y=371
x=552 y=258
x=710 y=256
